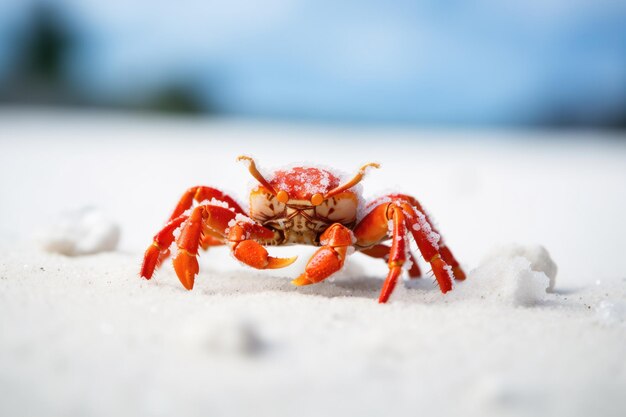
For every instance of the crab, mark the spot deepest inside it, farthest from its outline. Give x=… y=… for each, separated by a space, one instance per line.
x=303 y=205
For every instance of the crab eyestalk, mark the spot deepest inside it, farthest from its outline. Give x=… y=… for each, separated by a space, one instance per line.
x=256 y=174
x=354 y=181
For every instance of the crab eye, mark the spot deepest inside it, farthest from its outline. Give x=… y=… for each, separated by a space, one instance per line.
x=282 y=196
x=317 y=199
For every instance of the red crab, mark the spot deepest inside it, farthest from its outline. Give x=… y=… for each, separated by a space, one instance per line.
x=303 y=205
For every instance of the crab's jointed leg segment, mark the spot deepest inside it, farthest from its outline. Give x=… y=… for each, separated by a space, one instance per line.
x=329 y=258
x=397 y=254
x=449 y=259
x=444 y=250
x=382 y=251
x=373 y=228
x=214 y=218
x=428 y=243
x=159 y=249
x=209 y=225
x=202 y=193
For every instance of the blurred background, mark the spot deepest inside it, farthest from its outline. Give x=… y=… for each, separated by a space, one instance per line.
x=536 y=63
x=504 y=117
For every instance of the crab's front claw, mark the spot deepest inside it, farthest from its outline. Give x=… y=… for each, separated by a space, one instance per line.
x=276 y=263
x=329 y=258
x=253 y=254
x=302 y=280
x=186 y=267
x=324 y=263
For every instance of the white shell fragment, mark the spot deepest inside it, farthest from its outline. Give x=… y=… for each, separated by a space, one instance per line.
x=81 y=232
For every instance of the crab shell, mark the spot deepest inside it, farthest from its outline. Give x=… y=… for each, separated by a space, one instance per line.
x=299 y=220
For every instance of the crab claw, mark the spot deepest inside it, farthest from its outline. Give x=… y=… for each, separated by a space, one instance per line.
x=275 y=263
x=302 y=280
x=186 y=267
x=324 y=263
x=252 y=254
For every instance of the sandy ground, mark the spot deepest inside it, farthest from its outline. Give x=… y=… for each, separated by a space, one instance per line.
x=85 y=336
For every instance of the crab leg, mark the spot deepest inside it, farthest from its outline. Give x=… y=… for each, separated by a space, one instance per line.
x=382 y=251
x=216 y=220
x=444 y=250
x=397 y=255
x=159 y=249
x=185 y=262
x=201 y=193
x=329 y=258
x=374 y=228
x=428 y=243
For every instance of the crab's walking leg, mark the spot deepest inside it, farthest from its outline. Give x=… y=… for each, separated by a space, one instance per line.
x=428 y=243
x=382 y=251
x=206 y=226
x=159 y=249
x=397 y=255
x=214 y=218
x=206 y=241
x=201 y=193
x=242 y=239
x=185 y=261
x=329 y=258
x=444 y=250
x=374 y=228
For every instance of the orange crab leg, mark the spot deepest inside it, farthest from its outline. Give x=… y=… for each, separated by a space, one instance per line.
x=159 y=249
x=201 y=193
x=373 y=228
x=185 y=262
x=382 y=252
x=206 y=241
x=207 y=225
x=427 y=241
x=242 y=238
x=444 y=250
x=397 y=255
x=329 y=258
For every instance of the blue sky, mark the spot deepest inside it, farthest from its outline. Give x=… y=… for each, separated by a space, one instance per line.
x=432 y=61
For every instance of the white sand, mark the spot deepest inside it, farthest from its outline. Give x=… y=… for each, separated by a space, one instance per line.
x=85 y=336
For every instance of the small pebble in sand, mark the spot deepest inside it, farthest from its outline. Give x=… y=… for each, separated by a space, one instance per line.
x=81 y=232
